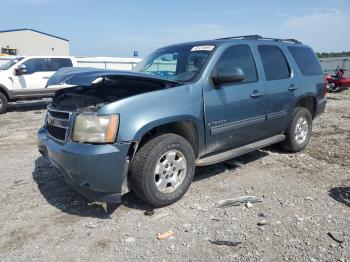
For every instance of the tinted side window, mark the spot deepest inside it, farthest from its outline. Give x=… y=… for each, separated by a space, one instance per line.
x=274 y=61
x=57 y=63
x=239 y=56
x=306 y=60
x=36 y=65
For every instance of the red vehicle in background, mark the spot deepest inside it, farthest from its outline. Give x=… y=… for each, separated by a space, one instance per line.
x=337 y=82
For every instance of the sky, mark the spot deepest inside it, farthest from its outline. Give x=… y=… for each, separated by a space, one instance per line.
x=117 y=28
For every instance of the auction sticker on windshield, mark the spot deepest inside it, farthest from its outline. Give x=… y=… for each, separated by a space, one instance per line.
x=203 y=48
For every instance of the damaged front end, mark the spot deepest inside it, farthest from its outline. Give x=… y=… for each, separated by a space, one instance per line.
x=93 y=88
x=80 y=142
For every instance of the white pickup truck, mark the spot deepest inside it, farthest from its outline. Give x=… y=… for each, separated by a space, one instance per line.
x=26 y=77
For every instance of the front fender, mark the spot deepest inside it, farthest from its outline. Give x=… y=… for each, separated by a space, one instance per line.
x=163 y=121
x=6 y=91
x=141 y=113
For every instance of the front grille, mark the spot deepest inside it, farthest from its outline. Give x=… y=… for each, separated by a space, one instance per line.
x=59 y=114
x=57 y=124
x=57 y=132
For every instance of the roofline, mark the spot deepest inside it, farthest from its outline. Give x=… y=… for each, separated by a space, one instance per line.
x=33 y=30
x=221 y=41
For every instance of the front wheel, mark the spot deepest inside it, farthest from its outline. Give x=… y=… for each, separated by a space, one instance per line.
x=299 y=131
x=162 y=170
x=3 y=103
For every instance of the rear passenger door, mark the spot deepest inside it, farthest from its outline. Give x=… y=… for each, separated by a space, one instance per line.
x=280 y=85
x=234 y=112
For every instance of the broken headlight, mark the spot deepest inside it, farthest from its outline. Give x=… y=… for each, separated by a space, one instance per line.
x=95 y=129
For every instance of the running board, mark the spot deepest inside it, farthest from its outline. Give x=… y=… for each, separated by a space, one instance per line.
x=239 y=151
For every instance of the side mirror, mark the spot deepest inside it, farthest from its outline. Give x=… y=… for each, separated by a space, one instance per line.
x=21 y=70
x=228 y=75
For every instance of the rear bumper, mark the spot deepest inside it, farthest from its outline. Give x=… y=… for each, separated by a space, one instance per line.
x=321 y=106
x=95 y=171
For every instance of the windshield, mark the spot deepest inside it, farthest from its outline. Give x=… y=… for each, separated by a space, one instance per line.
x=10 y=63
x=179 y=63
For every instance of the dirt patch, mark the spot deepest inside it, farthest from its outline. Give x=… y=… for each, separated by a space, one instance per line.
x=102 y=243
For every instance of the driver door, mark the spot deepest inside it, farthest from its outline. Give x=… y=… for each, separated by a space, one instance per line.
x=234 y=112
x=35 y=75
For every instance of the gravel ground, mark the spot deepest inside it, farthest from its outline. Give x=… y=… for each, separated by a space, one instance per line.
x=303 y=214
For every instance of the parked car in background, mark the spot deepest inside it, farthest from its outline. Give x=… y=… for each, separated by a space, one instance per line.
x=5 y=59
x=26 y=77
x=185 y=105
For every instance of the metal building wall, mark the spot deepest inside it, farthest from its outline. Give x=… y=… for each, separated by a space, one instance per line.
x=33 y=43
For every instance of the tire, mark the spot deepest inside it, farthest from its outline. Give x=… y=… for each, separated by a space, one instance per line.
x=3 y=103
x=299 y=132
x=152 y=168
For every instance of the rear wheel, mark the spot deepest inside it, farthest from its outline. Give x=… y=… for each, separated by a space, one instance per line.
x=162 y=170
x=3 y=103
x=299 y=131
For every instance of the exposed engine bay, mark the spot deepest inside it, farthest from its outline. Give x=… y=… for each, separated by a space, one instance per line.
x=105 y=90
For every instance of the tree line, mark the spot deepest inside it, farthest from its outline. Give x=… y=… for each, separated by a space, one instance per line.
x=332 y=54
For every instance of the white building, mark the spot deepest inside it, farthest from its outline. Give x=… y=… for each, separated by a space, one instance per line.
x=32 y=42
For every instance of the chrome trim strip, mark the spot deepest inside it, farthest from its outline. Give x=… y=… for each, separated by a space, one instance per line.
x=236 y=125
x=276 y=115
x=59 y=119
x=60 y=111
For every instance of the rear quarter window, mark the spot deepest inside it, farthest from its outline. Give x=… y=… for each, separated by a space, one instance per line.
x=306 y=60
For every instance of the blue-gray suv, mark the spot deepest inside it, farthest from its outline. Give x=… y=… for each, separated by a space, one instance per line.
x=185 y=105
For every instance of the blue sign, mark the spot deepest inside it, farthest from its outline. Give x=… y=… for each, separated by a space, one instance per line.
x=136 y=53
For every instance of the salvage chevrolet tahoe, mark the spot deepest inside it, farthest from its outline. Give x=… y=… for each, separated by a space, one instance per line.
x=185 y=105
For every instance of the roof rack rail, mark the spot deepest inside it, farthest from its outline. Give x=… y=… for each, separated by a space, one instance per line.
x=241 y=36
x=259 y=37
x=292 y=40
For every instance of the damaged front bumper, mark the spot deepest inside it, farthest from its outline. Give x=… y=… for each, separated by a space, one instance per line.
x=98 y=172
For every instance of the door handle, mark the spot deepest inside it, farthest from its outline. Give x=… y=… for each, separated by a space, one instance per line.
x=292 y=87
x=46 y=77
x=256 y=94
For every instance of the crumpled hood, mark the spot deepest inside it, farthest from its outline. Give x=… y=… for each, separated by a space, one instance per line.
x=82 y=76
